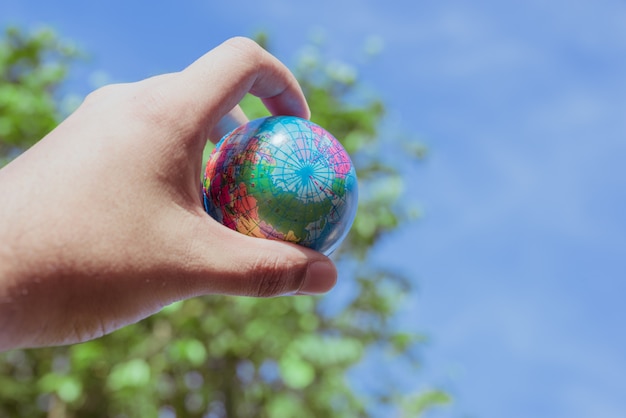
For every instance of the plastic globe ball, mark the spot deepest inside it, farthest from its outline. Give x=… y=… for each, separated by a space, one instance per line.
x=283 y=178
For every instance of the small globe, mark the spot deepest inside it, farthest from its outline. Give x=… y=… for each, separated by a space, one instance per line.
x=283 y=178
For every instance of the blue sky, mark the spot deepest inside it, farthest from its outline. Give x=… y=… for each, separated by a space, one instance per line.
x=520 y=257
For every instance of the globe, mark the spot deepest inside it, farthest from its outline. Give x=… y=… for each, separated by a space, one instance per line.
x=283 y=178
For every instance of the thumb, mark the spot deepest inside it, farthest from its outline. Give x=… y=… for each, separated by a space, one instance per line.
x=236 y=264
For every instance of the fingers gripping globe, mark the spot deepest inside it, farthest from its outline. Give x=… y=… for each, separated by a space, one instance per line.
x=283 y=178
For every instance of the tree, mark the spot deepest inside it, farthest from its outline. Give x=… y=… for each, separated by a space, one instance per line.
x=32 y=68
x=220 y=356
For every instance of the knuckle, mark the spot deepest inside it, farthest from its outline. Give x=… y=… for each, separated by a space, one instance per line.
x=247 y=50
x=243 y=43
x=102 y=93
x=275 y=277
x=142 y=101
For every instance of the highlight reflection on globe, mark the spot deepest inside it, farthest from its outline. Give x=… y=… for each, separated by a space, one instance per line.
x=284 y=178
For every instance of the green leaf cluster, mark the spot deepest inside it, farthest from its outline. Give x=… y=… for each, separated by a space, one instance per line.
x=32 y=68
x=221 y=356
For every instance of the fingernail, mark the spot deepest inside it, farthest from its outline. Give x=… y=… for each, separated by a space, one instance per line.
x=320 y=277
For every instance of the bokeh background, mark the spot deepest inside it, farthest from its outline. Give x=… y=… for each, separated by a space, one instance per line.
x=520 y=253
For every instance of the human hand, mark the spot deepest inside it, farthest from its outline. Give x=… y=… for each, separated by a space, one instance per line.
x=102 y=222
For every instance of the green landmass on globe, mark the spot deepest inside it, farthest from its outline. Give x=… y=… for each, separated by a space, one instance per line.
x=283 y=178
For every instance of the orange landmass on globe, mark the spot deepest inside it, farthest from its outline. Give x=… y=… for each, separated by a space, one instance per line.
x=291 y=237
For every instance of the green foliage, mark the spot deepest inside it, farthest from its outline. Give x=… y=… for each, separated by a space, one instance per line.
x=223 y=356
x=415 y=405
x=32 y=67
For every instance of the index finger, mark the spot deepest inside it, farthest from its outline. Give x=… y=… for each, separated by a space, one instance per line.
x=215 y=83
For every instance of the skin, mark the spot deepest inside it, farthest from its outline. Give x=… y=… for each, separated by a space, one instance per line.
x=102 y=221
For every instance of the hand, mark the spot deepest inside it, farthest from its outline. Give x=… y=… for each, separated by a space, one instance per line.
x=102 y=222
